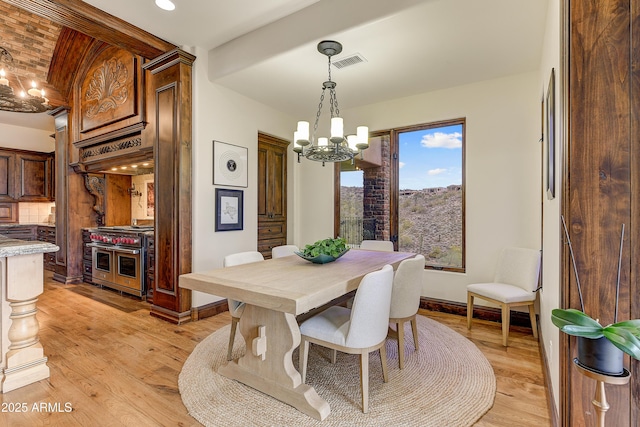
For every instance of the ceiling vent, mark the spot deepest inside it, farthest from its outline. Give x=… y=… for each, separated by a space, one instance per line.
x=349 y=61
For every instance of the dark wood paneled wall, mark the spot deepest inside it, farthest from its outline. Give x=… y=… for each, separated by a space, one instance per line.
x=169 y=108
x=634 y=232
x=600 y=188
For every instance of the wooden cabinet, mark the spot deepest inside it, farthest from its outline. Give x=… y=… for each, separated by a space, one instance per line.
x=151 y=267
x=8 y=212
x=87 y=265
x=272 y=193
x=26 y=176
x=7 y=175
x=35 y=177
x=47 y=234
x=20 y=232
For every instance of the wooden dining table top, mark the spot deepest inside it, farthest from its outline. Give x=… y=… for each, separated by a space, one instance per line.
x=291 y=284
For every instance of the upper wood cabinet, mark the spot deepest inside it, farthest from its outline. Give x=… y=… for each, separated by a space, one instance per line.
x=272 y=193
x=26 y=176
x=7 y=176
x=35 y=177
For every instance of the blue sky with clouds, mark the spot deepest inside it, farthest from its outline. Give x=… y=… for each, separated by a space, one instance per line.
x=428 y=158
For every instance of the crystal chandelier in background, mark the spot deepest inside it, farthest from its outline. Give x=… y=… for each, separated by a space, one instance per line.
x=337 y=147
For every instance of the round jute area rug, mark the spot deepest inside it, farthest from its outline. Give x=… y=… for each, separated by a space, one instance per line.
x=447 y=383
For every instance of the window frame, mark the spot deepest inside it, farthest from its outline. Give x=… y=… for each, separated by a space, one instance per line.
x=395 y=178
x=394 y=136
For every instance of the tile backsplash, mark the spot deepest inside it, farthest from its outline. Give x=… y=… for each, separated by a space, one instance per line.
x=34 y=213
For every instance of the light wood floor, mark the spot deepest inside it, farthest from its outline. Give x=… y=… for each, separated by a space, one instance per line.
x=112 y=364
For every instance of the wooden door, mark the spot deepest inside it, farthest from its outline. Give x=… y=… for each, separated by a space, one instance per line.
x=272 y=193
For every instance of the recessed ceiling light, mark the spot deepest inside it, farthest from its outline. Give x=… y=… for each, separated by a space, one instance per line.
x=145 y=164
x=134 y=166
x=165 y=4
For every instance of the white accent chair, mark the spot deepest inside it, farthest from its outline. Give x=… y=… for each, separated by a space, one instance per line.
x=405 y=301
x=236 y=308
x=359 y=330
x=515 y=284
x=284 y=250
x=377 y=245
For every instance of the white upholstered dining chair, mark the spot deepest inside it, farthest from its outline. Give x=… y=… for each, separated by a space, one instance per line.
x=284 y=250
x=359 y=330
x=236 y=308
x=405 y=301
x=514 y=284
x=377 y=245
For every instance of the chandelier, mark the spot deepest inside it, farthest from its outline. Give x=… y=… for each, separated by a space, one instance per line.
x=31 y=101
x=337 y=147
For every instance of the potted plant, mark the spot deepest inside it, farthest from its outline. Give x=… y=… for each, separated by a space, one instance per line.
x=599 y=347
x=324 y=251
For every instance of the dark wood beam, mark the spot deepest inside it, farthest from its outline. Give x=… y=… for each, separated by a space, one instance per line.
x=93 y=22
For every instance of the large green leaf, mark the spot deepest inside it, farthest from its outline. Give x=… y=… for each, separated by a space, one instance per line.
x=632 y=326
x=624 y=339
x=583 y=331
x=571 y=316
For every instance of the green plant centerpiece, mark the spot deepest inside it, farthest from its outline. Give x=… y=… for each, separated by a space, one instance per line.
x=599 y=347
x=324 y=251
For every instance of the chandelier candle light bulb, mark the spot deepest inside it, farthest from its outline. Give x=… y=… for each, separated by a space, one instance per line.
x=352 y=140
x=303 y=133
x=3 y=79
x=337 y=130
x=34 y=89
x=362 y=133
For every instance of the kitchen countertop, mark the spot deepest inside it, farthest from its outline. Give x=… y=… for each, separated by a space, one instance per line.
x=14 y=247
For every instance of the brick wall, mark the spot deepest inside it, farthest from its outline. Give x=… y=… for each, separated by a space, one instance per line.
x=377 y=194
x=30 y=40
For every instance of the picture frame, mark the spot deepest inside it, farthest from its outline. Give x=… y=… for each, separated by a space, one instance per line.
x=229 y=164
x=550 y=133
x=229 y=209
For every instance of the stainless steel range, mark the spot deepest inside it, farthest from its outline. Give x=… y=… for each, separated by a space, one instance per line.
x=118 y=257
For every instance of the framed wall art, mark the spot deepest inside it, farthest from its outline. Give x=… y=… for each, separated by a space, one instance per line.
x=550 y=134
x=229 y=209
x=229 y=164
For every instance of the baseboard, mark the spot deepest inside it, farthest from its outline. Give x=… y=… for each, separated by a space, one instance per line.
x=551 y=401
x=170 y=315
x=209 y=310
x=492 y=314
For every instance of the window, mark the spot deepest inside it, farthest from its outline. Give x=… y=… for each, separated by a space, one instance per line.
x=429 y=185
x=413 y=194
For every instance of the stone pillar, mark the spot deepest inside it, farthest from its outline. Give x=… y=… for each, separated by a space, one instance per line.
x=377 y=196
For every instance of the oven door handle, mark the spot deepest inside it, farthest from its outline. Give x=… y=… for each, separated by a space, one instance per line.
x=99 y=246
x=126 y=251
x=114 y=248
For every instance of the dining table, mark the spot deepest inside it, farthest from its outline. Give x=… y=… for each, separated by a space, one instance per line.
x=275 y=292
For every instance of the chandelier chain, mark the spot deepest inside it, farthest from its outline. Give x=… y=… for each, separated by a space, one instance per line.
x=315 y=125
x=333 y=97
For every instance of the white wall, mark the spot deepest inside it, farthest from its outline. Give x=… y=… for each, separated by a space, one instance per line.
x=550 y=294
x=25 y=138
x=224 y=115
